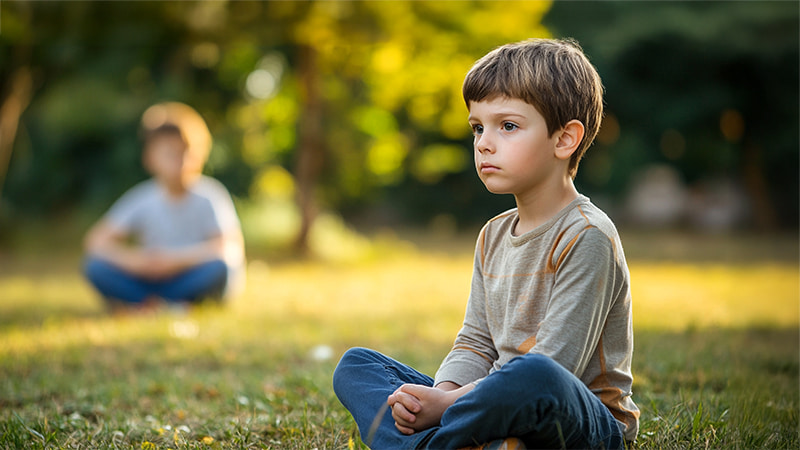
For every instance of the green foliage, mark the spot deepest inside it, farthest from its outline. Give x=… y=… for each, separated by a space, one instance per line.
x=388 y=72
x=709 y=88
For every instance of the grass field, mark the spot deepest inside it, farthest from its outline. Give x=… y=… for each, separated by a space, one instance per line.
x=716 y=360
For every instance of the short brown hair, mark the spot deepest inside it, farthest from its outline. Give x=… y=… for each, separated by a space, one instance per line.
x=164 y=130
x=190 y=123
x=553 y=75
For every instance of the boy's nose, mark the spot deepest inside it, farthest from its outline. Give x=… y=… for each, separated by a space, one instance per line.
x=483 y=144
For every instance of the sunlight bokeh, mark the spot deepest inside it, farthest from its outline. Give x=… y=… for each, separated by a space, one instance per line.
x=675 y=296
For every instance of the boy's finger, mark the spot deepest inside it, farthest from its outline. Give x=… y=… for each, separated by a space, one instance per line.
x=402 y=415
x=410 y=402
x=404 y=430
x=415 y=390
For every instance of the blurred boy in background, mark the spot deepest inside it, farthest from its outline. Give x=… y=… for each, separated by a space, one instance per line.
x=174 y=238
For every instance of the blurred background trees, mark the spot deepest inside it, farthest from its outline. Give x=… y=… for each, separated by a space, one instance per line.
x=709 y=89
x=355 y=107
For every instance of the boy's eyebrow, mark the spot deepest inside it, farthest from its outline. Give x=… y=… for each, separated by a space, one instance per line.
x=500 y=114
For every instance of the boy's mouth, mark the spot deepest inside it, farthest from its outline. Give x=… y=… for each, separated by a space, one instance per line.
x=485 y=167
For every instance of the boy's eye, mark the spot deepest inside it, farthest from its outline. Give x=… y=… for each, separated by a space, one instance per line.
x=508 y=126
x=477 y=129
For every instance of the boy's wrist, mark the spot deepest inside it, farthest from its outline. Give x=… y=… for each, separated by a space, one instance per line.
x=452 y=395
x=448 y=386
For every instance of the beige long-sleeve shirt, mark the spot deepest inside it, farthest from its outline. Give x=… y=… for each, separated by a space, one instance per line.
x=561 y=290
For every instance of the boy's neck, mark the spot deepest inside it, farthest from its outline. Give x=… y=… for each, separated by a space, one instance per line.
x=537 y=207
x=175 y=191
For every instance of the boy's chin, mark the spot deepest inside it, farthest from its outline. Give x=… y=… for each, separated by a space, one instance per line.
x=496 y=189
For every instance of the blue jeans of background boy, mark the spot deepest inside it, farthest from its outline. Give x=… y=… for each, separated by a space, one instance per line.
x=204 y=280
x=532 y=398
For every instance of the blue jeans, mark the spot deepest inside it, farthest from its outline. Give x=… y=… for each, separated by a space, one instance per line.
x=204 y=280
x=532 y=398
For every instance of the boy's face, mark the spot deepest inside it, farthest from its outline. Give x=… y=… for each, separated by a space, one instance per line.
x=169 y=160
x=514 y=153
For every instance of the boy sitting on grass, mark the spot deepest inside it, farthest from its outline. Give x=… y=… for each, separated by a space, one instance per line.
x=188 y=241
x=543 y=357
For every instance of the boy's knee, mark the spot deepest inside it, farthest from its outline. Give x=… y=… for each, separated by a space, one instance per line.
x=531 y=382
x=340 y=372
x=352 y=358
x=532 y=370
x=355 y=356
x=215 y=269
x=214 y=275
x=95 y=269
x=218 y=266
x=538 y=366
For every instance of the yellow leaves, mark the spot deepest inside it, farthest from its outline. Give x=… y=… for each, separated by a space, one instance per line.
x=424 y=108
x=372 y=62
x=437 y=160
x=385 y=158
x=269 y=128
x=207 y=440
x=388 y=149
x=374 y=121
x=281 y=110
x=321 y=28
x=273 y=182
x=389 y=58
x=147 y=445
x=508 y=21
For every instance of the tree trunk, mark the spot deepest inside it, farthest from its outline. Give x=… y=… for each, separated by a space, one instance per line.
x=19 y=95
x=757 y=187
x=310 y=150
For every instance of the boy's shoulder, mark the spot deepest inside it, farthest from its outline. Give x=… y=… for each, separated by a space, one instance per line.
x=208 y=185
x=591 y=215
x=142 y=191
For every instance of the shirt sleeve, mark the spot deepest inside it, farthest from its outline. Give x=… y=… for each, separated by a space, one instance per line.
x=124 y=214
x=221 y=203
x=587 y=281
x=473 y=352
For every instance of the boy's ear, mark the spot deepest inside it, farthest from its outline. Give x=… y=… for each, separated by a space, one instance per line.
x=569 y=138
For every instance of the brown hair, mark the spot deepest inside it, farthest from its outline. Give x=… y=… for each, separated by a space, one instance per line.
x=164 y=130
x=554 y=76
x=190 y=124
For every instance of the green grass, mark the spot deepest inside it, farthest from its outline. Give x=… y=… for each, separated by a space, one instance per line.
x=716 y=360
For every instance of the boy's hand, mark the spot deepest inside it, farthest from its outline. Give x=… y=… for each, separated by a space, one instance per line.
x=161 y=264
x=405 y=408
x=416 y=407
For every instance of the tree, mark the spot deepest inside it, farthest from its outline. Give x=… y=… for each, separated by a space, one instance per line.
x=369 y=88
x=373 y=77
x=708 y=87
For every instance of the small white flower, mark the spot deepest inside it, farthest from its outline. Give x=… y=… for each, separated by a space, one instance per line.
x=321 y=353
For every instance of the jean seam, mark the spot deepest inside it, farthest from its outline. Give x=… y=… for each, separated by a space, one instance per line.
x=391 y=376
